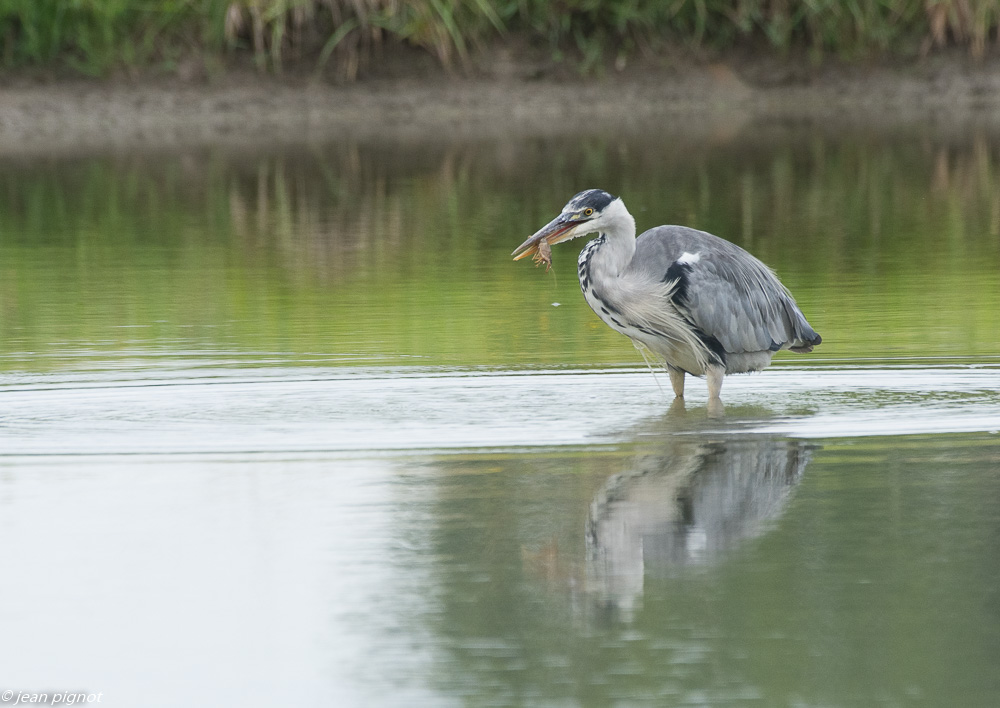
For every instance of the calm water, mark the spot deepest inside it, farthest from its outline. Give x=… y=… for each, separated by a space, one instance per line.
x=290 y=428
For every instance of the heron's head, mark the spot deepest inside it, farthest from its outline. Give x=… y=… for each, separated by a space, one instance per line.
x=590 y=211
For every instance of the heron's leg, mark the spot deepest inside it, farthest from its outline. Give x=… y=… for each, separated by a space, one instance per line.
x=676 y=380
x=714 y=375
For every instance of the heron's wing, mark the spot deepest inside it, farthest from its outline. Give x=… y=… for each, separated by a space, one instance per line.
x=729 y=295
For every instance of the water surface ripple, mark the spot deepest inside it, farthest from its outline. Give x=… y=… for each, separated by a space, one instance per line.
x=304 y=409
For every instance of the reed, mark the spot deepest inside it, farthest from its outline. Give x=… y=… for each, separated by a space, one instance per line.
x=99 y=36
x=95 y=36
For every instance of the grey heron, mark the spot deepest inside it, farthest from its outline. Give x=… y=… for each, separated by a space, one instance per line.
x=703 y=305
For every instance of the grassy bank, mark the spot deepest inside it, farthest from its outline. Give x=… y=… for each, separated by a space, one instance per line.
x=96 y=37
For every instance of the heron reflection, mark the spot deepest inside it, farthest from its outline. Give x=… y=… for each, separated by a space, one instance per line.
x=687 y=503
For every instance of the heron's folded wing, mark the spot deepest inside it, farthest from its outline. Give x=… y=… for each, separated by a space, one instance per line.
x=739 y=303
x=724 y=291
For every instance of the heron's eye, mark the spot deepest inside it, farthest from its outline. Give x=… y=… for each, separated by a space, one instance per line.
x=588 y=212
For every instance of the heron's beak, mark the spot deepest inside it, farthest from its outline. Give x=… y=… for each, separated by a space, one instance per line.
x=556 y=231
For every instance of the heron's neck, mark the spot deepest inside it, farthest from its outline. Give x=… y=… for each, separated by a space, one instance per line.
x=615 y=254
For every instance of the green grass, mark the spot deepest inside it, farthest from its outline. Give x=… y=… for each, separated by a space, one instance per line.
x=101 y=36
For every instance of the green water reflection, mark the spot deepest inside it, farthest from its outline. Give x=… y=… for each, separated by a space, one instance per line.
x=398 y=252
x=870 y=582
x=682 y=561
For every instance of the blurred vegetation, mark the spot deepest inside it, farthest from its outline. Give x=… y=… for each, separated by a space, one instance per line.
x=99 y=36
x=399 y=253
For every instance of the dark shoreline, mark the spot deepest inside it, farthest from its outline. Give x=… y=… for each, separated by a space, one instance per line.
x=945 y=95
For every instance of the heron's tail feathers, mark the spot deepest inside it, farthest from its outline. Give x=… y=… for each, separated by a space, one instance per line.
x=805 y=346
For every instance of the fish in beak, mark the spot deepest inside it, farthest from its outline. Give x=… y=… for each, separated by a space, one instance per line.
x=540 y=243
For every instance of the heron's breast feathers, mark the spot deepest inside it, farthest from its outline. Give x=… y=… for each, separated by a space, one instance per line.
x=649 y=306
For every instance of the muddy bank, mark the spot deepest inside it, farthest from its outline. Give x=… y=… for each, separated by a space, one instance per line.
x=942 y=94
